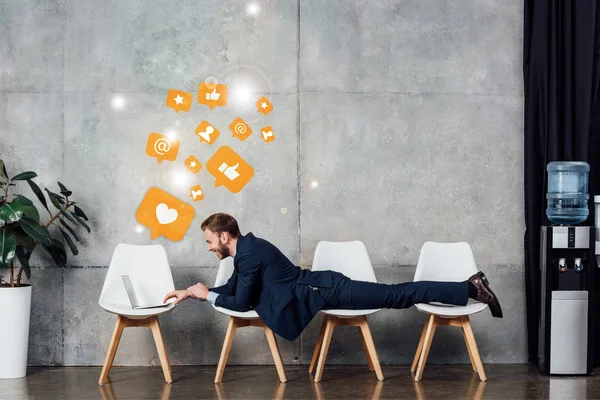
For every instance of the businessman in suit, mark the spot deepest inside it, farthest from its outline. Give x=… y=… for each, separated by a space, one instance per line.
x=287 y=297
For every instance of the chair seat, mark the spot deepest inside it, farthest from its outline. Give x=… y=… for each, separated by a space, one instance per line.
x=245 y=315
x=349 y=313
x=447 y=310
x=126 y=310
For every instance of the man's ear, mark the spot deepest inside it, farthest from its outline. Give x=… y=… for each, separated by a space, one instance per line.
x=224 y=237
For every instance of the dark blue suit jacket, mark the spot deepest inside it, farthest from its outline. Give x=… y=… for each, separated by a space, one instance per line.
x=266 y=280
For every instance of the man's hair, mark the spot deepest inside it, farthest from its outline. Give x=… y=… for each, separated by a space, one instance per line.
x=221 y=222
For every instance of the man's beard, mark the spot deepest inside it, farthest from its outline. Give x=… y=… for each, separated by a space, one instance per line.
x=222 y=251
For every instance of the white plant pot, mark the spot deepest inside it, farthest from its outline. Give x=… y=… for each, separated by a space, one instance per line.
x=15 y=309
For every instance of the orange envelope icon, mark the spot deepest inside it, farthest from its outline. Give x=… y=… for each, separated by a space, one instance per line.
x=229 y=169
x=193 y=165
x=164 y=214
x=162 y=147
x=179 y=100
x=212 y=95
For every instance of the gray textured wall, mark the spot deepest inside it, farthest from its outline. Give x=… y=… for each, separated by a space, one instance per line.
x=408 y=114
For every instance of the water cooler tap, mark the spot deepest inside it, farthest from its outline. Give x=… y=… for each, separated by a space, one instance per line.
x=562 y=264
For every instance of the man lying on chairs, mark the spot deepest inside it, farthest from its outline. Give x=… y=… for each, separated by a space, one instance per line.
x=287 y=297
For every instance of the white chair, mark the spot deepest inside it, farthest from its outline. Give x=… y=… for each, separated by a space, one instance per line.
x=446 y=262
x=150 y=273
x=239 y=319
x=352 y=260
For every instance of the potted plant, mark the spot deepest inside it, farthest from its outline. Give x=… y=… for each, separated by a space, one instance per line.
x=21 y=230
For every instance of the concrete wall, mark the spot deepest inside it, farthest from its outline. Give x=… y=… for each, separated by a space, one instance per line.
x=407 y=115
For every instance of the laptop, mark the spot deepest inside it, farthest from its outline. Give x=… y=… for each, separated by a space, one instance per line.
x=133 y=299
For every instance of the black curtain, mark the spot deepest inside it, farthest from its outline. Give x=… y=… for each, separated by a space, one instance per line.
x=561 y=69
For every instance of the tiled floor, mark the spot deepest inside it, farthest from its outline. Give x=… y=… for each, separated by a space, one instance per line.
x=505 y=381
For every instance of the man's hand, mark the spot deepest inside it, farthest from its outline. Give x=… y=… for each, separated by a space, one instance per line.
x=179 y=294
x=199 y=291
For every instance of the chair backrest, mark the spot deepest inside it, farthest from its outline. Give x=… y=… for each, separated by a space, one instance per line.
x=225 y=271
x=148 y=268
x=446 y=262
x=349 y=258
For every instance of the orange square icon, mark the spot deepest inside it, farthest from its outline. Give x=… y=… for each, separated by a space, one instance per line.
x=164 y=214
x=162 y=147
x=240 y=129
x=179 y=100
x=193 y=165
x=212 y=95
x=196 y=193
x=229 y=169
x=207 y=132
x=267 y=134
x=263 y=105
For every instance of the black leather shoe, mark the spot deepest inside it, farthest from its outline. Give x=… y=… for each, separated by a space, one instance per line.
x=485 y=294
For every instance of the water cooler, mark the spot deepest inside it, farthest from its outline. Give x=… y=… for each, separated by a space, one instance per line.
x=567 y=267
x=567 y=291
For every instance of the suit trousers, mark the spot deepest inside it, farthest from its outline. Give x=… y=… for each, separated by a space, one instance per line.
x=347 y=294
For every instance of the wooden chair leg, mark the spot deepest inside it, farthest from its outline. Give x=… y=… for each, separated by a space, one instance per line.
x=426 y=346
x=276 y=354
x=112 y=349
x=470 y=352
x=316 y=352
x=472 y=344
x=419 y=347
x=226 y=348
x=366 y=350
x=161 y=349
x=366 y=333
x=324 y=349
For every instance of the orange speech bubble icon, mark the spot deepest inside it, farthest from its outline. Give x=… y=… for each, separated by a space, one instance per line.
x=263 y=105
x=229 y=169
x=207 y=132
x=240 y=129
x=164 y=214
x=162 y=147
x=193 y=165
x=267 y=134
x=196 y=193
x=179 y=100
x=212 y=95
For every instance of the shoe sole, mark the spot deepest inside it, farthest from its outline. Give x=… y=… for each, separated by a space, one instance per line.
x=495 y=304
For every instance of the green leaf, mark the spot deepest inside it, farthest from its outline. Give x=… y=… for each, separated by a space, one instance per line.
x=81 y=222
x=23 y=254
x=38 y=192
x=8 y=243
x=24 y=176
x=69 y=242
x=57 y=252
x=65 y=192
x=71 y=230
x=79 y=212
x=31 y=212
x=35 y=230
x=24 y=200
x=55 y=199
x=69 y=217
x=3 y=172
x=11 y=212
x=23 y=239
